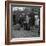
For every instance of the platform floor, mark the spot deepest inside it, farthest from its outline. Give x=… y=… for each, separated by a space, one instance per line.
x=24 y=33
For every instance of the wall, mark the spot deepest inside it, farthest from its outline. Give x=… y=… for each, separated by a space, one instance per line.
x=2 y=24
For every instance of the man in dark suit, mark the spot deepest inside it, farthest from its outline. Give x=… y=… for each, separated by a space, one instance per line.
x=14 y=20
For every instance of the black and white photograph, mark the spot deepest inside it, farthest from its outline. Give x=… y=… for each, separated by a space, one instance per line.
x=25 y=21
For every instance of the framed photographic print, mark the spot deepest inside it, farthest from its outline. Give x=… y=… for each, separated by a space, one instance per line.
x=25 y=22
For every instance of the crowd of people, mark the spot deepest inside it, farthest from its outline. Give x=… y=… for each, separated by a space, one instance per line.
x=24 y=20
